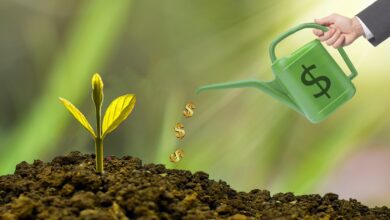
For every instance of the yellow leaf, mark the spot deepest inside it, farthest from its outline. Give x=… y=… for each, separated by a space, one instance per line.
x=117 y=112
x=78 y=115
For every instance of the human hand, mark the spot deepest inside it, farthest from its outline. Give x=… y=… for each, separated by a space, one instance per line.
x=342 y=30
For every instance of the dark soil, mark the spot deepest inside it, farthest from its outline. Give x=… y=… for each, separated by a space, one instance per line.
x=69 y=188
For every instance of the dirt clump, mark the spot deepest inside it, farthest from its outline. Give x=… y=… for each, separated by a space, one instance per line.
x=69 y=188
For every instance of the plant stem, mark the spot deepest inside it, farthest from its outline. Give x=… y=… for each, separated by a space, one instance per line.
x=99 y=141
x=99 y=155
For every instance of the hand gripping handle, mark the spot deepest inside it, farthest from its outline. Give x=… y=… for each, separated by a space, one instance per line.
x=316 y=26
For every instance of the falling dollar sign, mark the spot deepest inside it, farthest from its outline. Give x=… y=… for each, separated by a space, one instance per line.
x=179 y=129
x=315 y=80
x=189 y=110
x=176 y=156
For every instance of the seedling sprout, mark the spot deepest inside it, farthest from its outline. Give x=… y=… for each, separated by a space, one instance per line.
x=116 y=113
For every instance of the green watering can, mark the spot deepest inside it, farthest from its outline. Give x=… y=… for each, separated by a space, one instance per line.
x=309 y=80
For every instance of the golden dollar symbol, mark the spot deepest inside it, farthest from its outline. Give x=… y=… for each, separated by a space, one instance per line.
x=179 y=129
x=176 y=156
x=189 y=110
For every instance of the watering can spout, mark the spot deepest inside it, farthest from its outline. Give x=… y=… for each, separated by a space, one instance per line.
x=272 y=88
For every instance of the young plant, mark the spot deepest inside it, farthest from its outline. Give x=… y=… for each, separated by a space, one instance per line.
x=116 y=113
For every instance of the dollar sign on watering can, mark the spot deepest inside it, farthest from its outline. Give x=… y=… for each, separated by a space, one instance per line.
x=309 y=80
x=313 y=80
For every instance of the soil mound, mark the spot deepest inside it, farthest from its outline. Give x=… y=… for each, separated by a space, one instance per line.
x=69 y=188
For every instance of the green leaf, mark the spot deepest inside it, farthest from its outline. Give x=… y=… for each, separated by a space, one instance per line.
x=78 y=115
x=117 y=112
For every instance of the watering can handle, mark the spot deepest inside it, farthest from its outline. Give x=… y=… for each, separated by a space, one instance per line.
x=316 y=26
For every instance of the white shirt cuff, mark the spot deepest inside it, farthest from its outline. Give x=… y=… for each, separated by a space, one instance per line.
x=367 y=33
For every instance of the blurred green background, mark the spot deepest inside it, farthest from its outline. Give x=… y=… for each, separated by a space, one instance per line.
x=162 y=51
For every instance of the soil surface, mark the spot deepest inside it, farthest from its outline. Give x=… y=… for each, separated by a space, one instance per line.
x=69 y=188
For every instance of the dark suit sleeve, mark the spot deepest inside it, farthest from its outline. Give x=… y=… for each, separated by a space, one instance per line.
x=377 y=18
